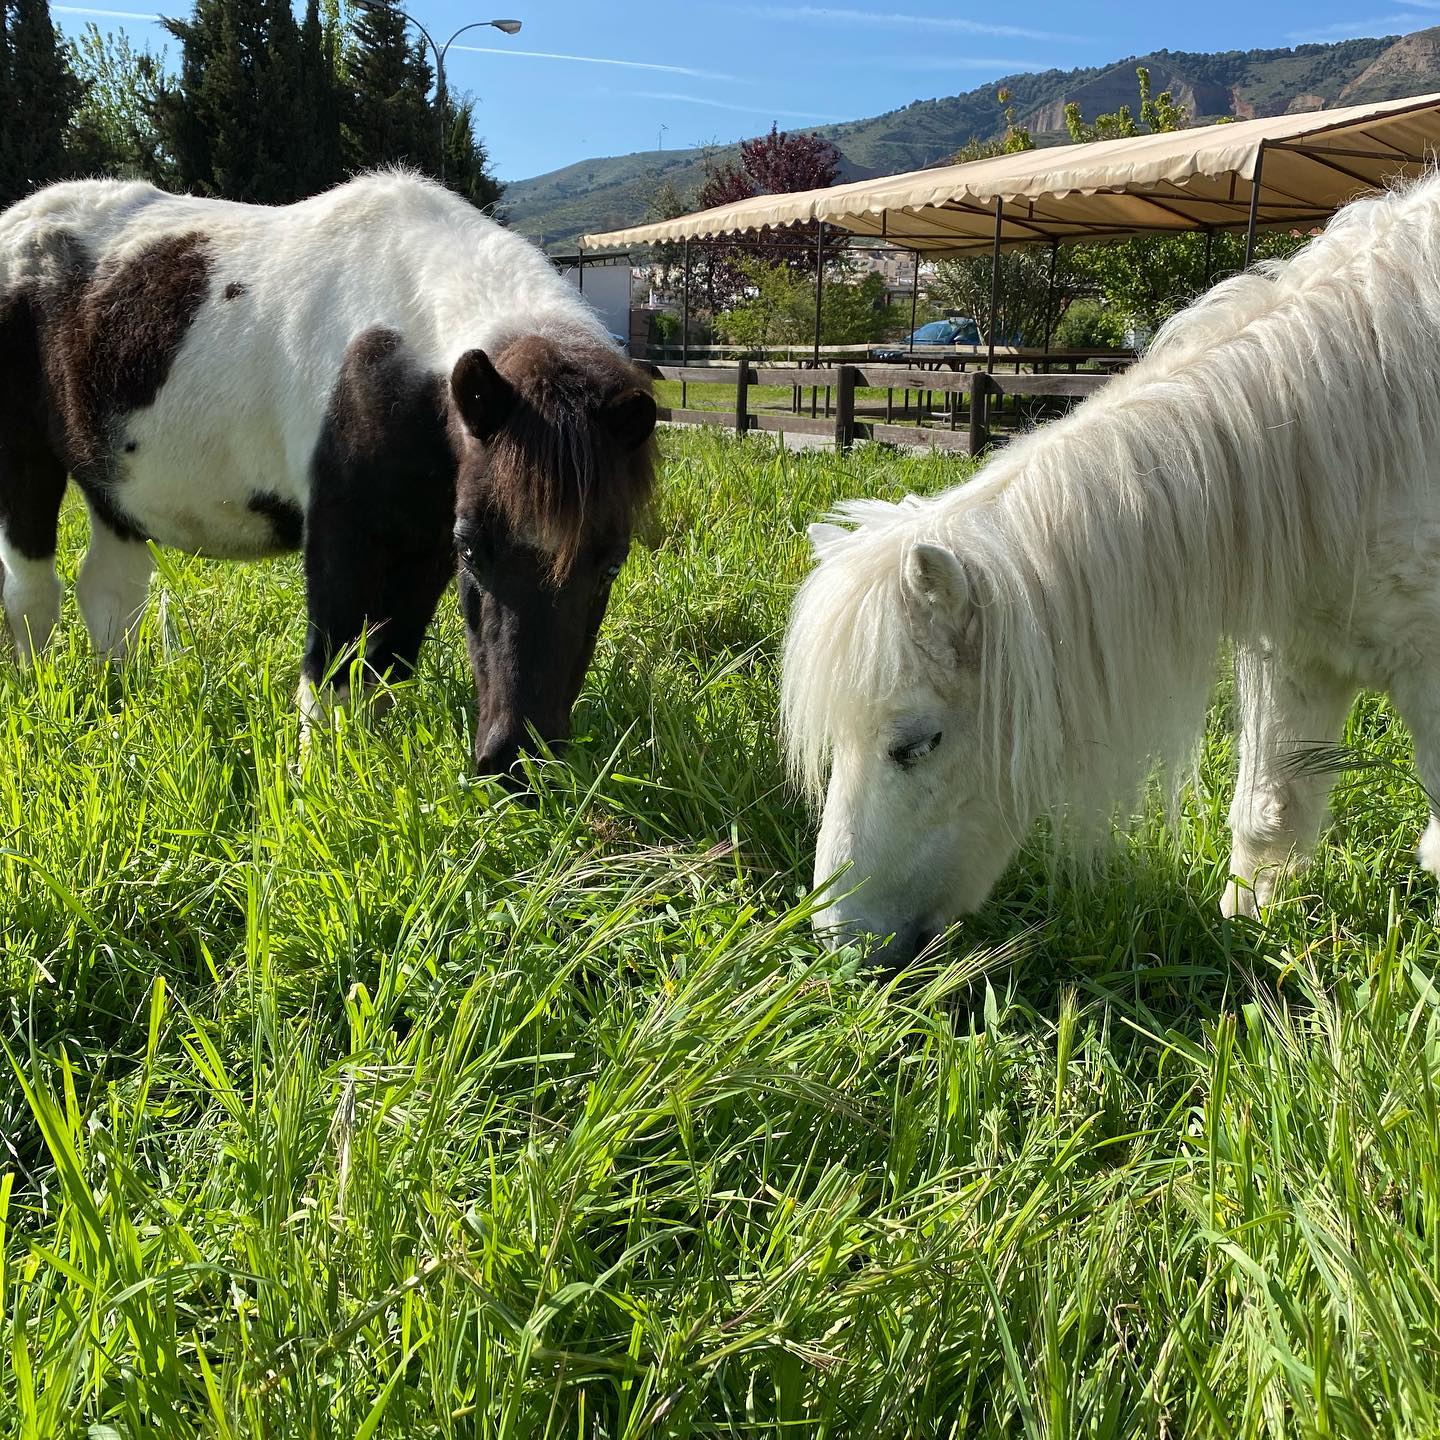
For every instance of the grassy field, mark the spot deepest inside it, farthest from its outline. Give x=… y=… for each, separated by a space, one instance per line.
x=372 y=1101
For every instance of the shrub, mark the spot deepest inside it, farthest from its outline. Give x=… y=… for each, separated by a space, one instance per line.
x=1088 y=325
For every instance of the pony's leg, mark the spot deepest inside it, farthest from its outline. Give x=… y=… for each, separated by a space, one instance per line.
x=112 y=588
x=362 y=584
x=1279 y=806
x=32 y=485
x=1417 y=698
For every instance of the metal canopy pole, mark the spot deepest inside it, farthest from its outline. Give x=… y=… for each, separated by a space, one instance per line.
x=819 y=273
x=1254 y=206
x=994 y=290
x=1050 y=294
x=685 y=309
x=914 y=301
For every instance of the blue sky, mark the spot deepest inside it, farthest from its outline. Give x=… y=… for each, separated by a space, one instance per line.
x=583 y=79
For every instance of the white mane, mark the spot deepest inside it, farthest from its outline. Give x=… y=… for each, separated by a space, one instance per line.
x=1192 y=498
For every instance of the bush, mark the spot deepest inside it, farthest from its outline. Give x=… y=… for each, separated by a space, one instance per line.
x=1088 y=325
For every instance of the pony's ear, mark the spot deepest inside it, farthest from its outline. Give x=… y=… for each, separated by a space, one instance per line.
x=630 y=418
x=944 y=605
x=934 y=575
x=482 y=395
x=823 y=536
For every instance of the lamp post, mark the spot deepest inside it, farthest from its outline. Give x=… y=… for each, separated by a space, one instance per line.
x=508 y=27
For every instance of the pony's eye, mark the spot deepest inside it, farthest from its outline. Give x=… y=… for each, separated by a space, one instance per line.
x=611 y=571
x=907 y=753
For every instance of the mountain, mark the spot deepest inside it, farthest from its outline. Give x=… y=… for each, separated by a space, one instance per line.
x=607 y=193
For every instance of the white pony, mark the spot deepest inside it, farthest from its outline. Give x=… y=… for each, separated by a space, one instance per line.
x=1029 y=643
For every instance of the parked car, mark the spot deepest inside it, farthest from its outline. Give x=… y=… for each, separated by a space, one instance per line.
x=957 y=330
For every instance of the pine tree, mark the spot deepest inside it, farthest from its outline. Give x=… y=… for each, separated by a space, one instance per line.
x=253 y=116
x=466 y=160
x=186 y=111
x=41 y=95
x=8 y=189
x=389 y=121
x=321 y=162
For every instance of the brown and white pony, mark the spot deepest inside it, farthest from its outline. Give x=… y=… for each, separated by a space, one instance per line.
x=380 y=376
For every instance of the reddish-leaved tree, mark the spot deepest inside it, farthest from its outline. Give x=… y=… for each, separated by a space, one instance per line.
x=775 y=164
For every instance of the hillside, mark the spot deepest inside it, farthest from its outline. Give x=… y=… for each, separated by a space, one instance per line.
x=606 y=193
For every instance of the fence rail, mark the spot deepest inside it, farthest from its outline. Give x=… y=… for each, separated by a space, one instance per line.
x=980 y=395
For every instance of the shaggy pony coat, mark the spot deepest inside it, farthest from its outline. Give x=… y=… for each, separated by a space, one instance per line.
x=379 y=375
x=1267 y=472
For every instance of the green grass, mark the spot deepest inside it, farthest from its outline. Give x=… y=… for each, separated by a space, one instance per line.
x=367 y=1100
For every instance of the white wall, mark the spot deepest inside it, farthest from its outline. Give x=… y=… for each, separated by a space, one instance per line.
x=607 y=288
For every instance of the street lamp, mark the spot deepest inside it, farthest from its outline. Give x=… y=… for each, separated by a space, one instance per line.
x=508 y=27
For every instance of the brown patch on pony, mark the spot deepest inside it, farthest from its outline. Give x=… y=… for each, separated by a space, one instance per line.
x=574 y=462
x=32 y=471
x=234 y=290
x=115 y=342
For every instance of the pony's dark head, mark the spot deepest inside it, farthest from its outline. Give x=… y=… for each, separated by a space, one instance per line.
x=557 y=459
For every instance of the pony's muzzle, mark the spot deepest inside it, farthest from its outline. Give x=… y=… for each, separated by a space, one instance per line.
x=497 y=752
x=896 y=952
x=887 y=949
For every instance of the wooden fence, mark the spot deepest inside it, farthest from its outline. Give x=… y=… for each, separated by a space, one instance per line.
x=979 y=396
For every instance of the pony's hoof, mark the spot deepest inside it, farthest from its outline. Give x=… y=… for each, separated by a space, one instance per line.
x=1427 y=853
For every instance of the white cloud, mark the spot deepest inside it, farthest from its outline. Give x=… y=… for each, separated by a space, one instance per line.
x=103 y=14
x=688 y=71
x=838 y=15
x=727 y=105
x=597 y=60
x=942 y=63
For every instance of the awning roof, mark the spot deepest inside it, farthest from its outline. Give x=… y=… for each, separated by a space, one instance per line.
x=1195 y=179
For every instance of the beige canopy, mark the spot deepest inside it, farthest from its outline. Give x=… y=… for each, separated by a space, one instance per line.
x=1307 y=166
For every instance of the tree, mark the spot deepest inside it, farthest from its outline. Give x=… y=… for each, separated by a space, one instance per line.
x=852 y=310
x=389 y=120
x=467 y=163
x=318 y=99
x=779 y=307
x=1013 y=139
x=1158 y=114
x=781 y=164
x=667 y=201
x=1027 y=303
x=41 y=95
x=773 y=313
x=775 y=164
x=1026 y=300
x=1147 y=279
x=113 y=132
x=1089 y=325
x=253 y=115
